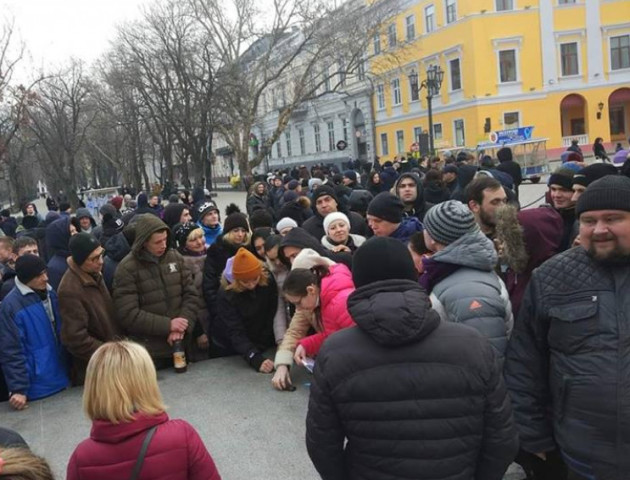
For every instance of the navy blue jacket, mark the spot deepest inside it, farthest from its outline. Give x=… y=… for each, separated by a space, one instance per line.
x=33 y=360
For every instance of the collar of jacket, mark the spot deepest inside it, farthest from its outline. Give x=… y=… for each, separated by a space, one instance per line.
x=25 y=290
x=87 y=279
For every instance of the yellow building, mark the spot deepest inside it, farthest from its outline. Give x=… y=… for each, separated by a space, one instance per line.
x=562 y=66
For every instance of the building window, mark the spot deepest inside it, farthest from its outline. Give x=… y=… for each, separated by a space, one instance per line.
x=345 y=130
x=507 y=66
x=511 y=120
x=326 y=74
x=287 y=139
x=302 y=141
x=617 y=121
x=341 y=65
x=410 y=27
x=384 y=145
x=377 y=44
x=318 y=140
x=429 y=18
x=565 y=2
x=391 y=35
x=456 y=77
x=331 y=136
x=417 y=131
x=278 y=150
x=362 y=69
x=460 y=137
x=569 y=58
x=620 y=52
x=274 y=98
x=503 y=5
x=451 y=11
x=283 y=96
x=380 y=96
x=414 y=90
x=396 y=98
x=400 y=141
x=437 y=131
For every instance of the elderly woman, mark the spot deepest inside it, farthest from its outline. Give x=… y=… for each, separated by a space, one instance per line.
x=338 y=237
x=123 y=400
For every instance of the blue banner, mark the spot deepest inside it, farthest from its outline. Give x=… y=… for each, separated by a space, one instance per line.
x=503 y=137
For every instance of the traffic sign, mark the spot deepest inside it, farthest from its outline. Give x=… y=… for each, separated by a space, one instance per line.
x=341 y=145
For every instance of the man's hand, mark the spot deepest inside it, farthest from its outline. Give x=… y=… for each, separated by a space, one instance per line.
x=340 y=248
x=266 y=367
x=179 y=324
x=173 y=337
x=203 y=341
x=18 y=401
x=300 y=355
x=281 y=379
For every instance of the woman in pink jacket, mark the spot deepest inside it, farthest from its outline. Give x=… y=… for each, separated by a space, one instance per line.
x=323 y=290
x=123 y=400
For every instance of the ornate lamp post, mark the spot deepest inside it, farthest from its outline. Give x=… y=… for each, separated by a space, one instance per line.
x=432 y=85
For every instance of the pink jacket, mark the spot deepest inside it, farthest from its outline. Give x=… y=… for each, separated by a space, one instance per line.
x=336 y=287
x=176 y=452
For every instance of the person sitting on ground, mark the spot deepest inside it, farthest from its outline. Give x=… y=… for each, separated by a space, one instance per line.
x=318 y=285
x=210 y=222
x=85 y=304
x=123 y=400
x=338 y=237
x=460 y=275
x=404 y=395
x=33 y=361
x=385 y=218
x=246 y=307
x=285 y=225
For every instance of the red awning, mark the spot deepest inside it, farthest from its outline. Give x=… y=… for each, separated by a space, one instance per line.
x=573 y=100
x=621 y=95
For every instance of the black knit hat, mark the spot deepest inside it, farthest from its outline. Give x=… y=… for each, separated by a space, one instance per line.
x=593 y=172
x=562 y=177
x=235 y=220
x=609 y=193
x=112 y=225
x=324 y=190
x=448 y=221
x=387 y=207
x=81 y=245
x=394 y=262
x=181 y=232
x=27 y=267
x=206 y=208
x=30 y=221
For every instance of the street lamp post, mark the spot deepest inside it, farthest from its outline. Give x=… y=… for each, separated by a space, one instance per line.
x=432 y=85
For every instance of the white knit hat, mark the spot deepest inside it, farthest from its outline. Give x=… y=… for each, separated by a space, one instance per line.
x=334 y=216
x=285 y=222
x=309 y=258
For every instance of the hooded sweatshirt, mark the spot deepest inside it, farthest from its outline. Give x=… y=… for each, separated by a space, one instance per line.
x=300 y=238
x=417 y=209
x=57 y=239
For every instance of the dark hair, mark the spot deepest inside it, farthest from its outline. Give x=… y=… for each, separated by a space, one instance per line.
x=260 y=218
x=432 y=176
x=474 y=190
x=299 y=279
x=599 y=139
x=262 y=232
x=416 y=242
x=22 y=242
x=272 y=241
x=371 y=177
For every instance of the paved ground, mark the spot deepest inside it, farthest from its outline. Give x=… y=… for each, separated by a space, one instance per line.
x=251 y=430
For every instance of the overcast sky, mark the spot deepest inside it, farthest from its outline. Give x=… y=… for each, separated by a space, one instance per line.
x=55 y=30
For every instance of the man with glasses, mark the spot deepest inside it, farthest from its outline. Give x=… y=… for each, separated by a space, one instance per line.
x=85 y=304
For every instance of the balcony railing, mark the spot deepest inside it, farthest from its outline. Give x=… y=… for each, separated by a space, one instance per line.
x=582 y=140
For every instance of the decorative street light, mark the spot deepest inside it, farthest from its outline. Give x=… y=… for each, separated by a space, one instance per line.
x=432 y=85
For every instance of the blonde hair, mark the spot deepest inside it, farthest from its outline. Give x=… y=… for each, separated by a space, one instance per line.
x=195 y=234
x=237 y=285
x=22 y=464
x=229 y=238
x=120 y=381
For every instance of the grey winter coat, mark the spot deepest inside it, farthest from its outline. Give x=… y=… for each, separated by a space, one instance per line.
x=567 y=364
x=474 y=294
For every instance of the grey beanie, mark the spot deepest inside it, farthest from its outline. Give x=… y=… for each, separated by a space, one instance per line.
x=448 y=221
x=611 y=192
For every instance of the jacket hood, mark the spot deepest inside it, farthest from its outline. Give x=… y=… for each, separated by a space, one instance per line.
x=146 y=226
x=465 y=174
x=143 y=200
x=300 y=238
x=510 y=234
x=117 y=247
x=107 y=432
x=173 y=212
x=198 y=194
x=419 y=198
x=58 y=236
x=473 y=250
x=542 y=232
x=393 y=312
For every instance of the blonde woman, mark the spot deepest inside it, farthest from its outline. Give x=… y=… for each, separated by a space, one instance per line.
x=123 y=400
x=246 y=308
x=22 y=464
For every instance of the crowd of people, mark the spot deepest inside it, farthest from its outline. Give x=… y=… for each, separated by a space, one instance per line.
x=451 y=332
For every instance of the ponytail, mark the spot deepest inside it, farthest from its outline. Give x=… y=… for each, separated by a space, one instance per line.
x=299 y=279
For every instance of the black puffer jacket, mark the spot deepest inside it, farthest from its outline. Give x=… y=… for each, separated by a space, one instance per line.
x=568 y=361
x=300 y=238
x=414 y=397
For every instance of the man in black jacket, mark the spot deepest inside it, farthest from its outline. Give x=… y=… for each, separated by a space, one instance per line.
x=325 y=201
x=404 y=395
x=509 y=166
x=567 y=362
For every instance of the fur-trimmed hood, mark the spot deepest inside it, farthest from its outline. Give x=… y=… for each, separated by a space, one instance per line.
x=509 y=234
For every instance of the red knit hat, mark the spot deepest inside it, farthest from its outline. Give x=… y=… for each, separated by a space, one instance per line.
x=246 y=266
x=117 y=202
